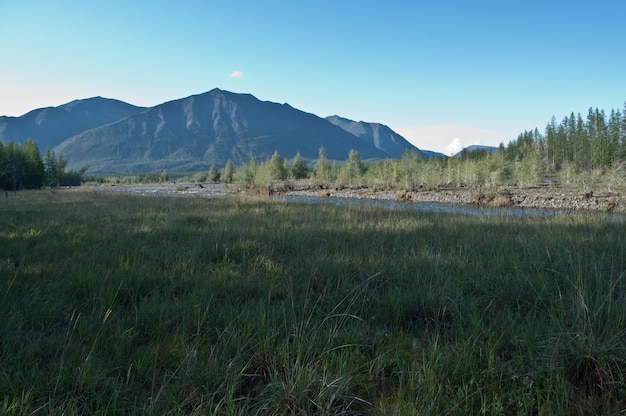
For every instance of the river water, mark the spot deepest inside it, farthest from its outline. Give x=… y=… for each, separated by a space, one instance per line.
x=447 y=208
x=216 y=191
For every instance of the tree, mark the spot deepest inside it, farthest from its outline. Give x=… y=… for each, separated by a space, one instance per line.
x=4 y=170
x=213 y=175
x=164 y=177
x=613 y=137
x=553 y=144
x=582 y=152
x=354 y=167
x=321 y=171
x=34 y=173
x=14 y=165
x=53 y=168
x=50 y=166
x=299 y=170
x=277 y=167
x=227 y=174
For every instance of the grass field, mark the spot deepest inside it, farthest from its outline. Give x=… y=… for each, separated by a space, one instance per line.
x=121 y=304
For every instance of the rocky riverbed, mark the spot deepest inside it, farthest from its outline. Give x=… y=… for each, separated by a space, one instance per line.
x=539 y=197
x=549 y=197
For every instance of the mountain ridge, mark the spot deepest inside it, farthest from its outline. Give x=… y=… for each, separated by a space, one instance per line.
x=49 y=126
x=195 y=132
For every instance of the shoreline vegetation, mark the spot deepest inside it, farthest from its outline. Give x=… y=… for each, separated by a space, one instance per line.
x=118 y=303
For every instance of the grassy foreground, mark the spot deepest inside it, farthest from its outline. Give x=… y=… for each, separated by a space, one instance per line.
x=120 y=304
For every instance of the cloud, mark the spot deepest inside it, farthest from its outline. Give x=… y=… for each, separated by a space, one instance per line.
x=236 y=74
x=449 y=138
x=455 y=147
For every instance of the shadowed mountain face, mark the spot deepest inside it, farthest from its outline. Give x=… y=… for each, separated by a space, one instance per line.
x=377 y=134
x=50 y=126
x=192 y=133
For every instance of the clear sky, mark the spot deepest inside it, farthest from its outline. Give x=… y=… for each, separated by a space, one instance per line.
x=441 y=73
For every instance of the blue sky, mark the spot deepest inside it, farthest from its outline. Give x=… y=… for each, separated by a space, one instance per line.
x=442 y=74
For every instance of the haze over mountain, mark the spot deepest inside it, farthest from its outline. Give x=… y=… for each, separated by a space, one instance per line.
x=192 y=133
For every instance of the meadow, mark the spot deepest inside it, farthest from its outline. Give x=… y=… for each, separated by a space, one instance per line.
x=129 y=304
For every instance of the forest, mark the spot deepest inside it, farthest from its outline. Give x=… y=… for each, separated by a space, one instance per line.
x=23 y=167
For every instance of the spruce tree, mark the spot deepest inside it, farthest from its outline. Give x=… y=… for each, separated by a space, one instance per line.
x=34 y=173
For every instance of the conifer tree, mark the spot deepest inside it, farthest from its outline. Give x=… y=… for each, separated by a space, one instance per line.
x=277 y=167
x=4 y=184
x=354 y=167
x=213 y=175
x=299 y=169
x=321 y=171
x=227 y=174
x=34 y=173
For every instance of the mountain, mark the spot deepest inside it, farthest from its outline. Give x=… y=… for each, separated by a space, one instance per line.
x=476 y=148
x=381 y=136
x=192 y=133
x=52 y=125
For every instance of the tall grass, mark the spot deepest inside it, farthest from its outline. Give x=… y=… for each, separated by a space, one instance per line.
x=123 y=304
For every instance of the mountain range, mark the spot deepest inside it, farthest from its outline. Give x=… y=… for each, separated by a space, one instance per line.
x=193 y=133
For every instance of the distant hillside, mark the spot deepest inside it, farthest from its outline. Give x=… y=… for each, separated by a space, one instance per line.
x=381 y=136
x=194 y=132
x=476 y=148
x=52 y=125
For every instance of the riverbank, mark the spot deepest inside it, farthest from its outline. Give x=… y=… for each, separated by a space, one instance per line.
x=536 y=197
x=553 y=197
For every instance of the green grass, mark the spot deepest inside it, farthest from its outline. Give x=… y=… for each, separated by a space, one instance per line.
x=120 y=304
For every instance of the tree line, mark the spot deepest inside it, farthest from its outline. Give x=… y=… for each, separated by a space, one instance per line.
x=24 y=167
x=595 y=141
x=576 y=151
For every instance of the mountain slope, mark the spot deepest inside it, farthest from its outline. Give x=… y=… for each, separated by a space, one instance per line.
x=476 y=148
x=194 y=132
x=381 y=136
x=50 y=126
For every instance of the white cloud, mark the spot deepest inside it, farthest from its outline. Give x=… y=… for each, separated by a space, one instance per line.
x=449 y=138
x=236 y=74
x=455 y=147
